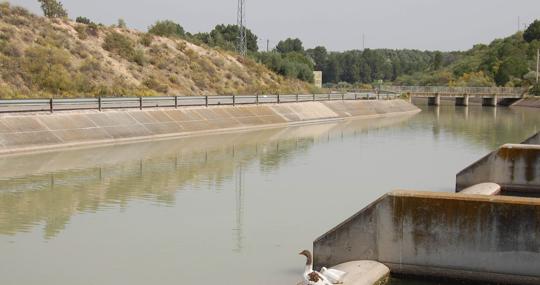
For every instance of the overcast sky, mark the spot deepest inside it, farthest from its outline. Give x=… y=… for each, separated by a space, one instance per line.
x=336 y=24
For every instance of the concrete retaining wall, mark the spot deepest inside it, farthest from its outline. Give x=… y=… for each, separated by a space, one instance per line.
x=482 y=238
x=34 y=132
x=516 y=167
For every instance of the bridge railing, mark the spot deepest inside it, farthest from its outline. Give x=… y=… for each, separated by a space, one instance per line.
x=457 y=90
x=102 y=103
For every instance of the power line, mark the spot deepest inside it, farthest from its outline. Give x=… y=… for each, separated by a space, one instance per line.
x=241 y=23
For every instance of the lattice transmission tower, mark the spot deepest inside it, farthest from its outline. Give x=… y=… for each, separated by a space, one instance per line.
x=241 y=22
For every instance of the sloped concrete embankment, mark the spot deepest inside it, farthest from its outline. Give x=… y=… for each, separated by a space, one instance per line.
x=528 y=102
x=442 y=235
x=36 y=132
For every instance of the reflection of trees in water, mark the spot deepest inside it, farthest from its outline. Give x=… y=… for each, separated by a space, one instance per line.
x=59 y=185
x=484 y=126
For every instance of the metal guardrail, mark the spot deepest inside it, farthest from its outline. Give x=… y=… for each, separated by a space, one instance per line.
x=103 y=103
x=458 y=90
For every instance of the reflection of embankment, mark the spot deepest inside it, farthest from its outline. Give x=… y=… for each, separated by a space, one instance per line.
x=49 y=188
x=485 y=126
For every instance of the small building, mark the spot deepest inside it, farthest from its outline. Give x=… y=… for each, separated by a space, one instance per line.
x=317 y=78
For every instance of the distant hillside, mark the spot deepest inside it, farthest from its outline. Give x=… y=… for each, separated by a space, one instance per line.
x=43 y=57
x=504 y=62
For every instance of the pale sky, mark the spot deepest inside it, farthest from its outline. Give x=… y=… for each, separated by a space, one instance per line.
x=336 y=24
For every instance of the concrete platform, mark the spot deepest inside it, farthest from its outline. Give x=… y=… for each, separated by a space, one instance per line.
x=483 y=189
x=364 y=272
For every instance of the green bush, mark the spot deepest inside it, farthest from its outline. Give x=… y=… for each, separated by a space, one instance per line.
x=167 y=28
x=83 y=20
x=146 y=39
x=535 y=90
x=120 y=44
x=53 y=9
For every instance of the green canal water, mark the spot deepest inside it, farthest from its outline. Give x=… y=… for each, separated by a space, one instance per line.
x=228 y=208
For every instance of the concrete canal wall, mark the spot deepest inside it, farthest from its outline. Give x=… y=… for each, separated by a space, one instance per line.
x=472 y=237
x=516 y=167
x=35 y=132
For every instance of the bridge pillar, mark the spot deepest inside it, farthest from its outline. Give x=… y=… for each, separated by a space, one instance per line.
x=434 y=101
x=462 y=101
x=490 y=101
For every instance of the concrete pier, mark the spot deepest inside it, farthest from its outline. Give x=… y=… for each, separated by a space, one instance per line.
x=442 y=235
x=434 y=100
x=364 y=272
x=462 y=101
x=483 y=189
x=490 y=101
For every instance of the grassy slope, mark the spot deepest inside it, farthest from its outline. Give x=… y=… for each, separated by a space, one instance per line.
x=40 y=57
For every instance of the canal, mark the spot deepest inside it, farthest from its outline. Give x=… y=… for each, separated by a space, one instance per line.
x=228 y=208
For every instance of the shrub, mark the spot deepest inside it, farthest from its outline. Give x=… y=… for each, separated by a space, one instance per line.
x=120 y=44
x=122 y=24
x=53 y=9
x=167 y=28
x=83 y=20
x=535 y=90
x=153 y=84
x=146 y=39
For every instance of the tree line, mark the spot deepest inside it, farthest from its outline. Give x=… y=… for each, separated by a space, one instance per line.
x=504 y=62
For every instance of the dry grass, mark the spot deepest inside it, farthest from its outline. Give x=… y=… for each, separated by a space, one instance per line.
x=43 y=58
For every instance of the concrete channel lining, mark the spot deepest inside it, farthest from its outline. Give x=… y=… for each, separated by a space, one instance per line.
x=442 y=235
x=35 y=132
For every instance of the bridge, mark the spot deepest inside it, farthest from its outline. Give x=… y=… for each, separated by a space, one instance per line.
x=490 y=96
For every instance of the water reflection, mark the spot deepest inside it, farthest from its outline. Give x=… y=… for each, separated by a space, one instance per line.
x=202 y=209
x=49 y=188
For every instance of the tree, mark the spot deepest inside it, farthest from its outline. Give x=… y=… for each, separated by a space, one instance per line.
x=122 y=24
x=290 y=45
x=319 y=55
x=53 y=9
x=437 y=60
x=167 y=28
x=226 y=36
x=533 y=32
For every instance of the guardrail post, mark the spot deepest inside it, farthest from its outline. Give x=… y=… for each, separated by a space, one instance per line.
x=176 y=102
x=355 y=96
x=313 y=97
x=342 y=96
x=206 y=101
x=328 y=96
x=234 y=100
x=278 y=99
x=257 y=99
x=99 y=103
x=51 y=106
x=296 y=98
x=140 y=103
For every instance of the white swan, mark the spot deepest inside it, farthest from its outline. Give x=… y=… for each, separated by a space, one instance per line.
x=325 y=277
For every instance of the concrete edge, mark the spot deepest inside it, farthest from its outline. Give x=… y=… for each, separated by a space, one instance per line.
x=459 y=274
x=46 y=148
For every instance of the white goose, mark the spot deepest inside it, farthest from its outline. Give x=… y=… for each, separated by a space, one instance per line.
x=325 y=277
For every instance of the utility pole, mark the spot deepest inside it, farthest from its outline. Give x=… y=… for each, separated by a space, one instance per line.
x=241 y=23
x=537 y=64
x=363 y=41
x=268 y=45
